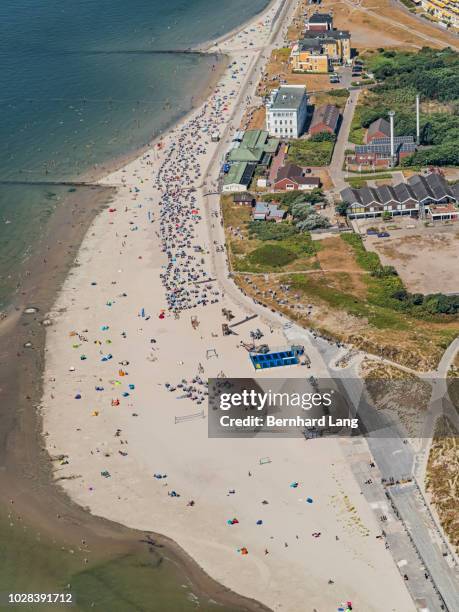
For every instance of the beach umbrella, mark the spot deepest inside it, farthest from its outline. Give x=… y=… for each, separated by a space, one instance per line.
x=309 y=500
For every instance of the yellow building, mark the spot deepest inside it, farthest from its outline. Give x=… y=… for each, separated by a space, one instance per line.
x=318 y=53
x=307 y=58
x=444 y=11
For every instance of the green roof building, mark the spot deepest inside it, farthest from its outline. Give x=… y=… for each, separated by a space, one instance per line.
x=254 y=147
x=239 y=177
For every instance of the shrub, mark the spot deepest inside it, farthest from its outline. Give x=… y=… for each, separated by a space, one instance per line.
x=339 y=93
x=272 y=255
x=322 y=137
x=271 y=231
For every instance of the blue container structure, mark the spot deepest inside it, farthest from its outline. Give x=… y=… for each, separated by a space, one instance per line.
x=277 y=358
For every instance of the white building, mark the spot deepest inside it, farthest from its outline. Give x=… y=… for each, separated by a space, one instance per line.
x=286 y=111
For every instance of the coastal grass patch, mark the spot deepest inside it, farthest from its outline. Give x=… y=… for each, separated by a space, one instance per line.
x=291 y=252
x=337 y=97
x=356 y=182
x=263 y=247
x=310 y=153
x=352 y=296
x=441 y=477
x=271 y=256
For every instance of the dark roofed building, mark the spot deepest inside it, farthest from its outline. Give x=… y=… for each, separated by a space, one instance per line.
x=319 y=22
x=325 y=119
x=378 y=152
x=378 y=129
x=431 y=188
x=244 y=199
x=292 y=178
x=422 y=194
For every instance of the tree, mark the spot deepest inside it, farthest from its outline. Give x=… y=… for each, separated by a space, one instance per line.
x=322 y=136
x=313 y=221
x=301 y=210
x=341 y=208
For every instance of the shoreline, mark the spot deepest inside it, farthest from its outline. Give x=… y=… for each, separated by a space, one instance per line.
x=206 y=45
x=129 y=494
x=69 y=226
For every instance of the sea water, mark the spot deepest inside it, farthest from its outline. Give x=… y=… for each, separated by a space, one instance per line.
x=83 y=82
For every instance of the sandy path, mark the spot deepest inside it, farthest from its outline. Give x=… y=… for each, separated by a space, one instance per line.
x=113 y=300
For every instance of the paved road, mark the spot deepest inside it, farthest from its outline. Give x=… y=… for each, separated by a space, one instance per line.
x=396 y=538
x=415 y=517
x=336 y=166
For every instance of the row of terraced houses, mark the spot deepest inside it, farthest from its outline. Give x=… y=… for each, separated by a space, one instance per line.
x=430 y=197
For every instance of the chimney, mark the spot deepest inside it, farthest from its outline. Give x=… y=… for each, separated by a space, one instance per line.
x=417 y=121
x=392 y=146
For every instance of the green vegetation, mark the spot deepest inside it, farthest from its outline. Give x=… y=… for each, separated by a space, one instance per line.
x=271 y=255
x=322 y=137
x=431 y=72
x=287 y=198
x=256 y=247
x=357 y=182
x=339 y=93
x=401 y=75
x=357 y=131
x=310 y=153
x=341 y=208
x=361 y=181
x=271 y=231
x=306 y=218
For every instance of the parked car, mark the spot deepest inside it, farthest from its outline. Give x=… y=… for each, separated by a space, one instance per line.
x=383 y=235
x=372 y=232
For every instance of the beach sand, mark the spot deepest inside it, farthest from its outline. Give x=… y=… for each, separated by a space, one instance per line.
x=114 y=303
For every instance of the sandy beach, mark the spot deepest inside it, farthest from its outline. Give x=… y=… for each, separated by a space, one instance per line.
x=124 y=364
